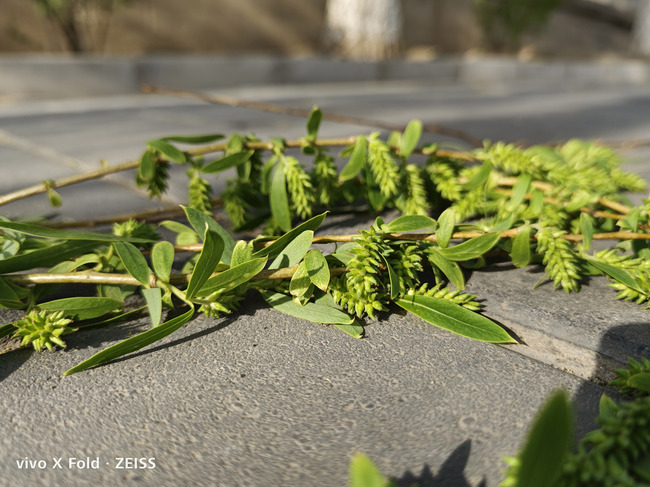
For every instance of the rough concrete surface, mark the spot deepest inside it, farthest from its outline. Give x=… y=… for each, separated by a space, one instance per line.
x=259 y=398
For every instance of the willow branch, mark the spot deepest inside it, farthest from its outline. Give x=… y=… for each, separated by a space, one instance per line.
x=301 y=112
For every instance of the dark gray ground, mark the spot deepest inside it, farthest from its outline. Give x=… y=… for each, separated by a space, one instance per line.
x=259 y=398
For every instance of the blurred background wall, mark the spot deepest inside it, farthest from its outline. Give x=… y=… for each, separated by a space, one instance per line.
x=580 y=28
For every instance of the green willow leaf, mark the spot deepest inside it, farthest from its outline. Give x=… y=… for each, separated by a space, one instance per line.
x=521 y=247
x=519 y=191
x=300 y=282
x=198 y=220
x=448 y=267
x=54 y=198
x=168 y=151
x=162 y=258
x=38 y=231
x=317 y=313
x=615 y=273
x=278 y=246
x=313 y=122
x=193 y=139
x=357 y=160
x=472 y=248
x=293 y=253
x=364 y=473
x=46 y=257
x=317 y=268
x=147 y=168
x=209 y=257
x=410 y=223
x=586 y=229
x=82 y=308
x=6 y=330
x=134 y=261
x=393 y=279
x=455 y=318
x=233 y=277
x=279 y=199
x=410 y=138
x=547 y=444
x=446 y=223
x=8 y=297
x=354 y=329
x=134 y=343
x=153 y=298
x=480 y=178
x=232 y=160
x=243 y=252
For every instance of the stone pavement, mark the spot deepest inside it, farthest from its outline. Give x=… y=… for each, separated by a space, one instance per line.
x=263 y=399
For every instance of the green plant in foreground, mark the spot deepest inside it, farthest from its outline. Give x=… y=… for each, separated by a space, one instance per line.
x=615 y=455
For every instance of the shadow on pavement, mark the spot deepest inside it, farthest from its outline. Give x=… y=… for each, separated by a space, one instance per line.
x=451 y=473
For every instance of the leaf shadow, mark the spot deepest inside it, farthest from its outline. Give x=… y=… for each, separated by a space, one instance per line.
x=450 y=474
x=12 y=361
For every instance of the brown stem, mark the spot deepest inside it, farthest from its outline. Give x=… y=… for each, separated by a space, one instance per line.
x=301 y=112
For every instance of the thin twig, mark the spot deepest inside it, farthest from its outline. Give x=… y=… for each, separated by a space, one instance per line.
x=301 y=112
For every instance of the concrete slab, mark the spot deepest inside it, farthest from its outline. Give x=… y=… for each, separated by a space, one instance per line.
x=259 y=398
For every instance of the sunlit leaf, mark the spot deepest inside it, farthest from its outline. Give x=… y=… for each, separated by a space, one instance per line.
x=455 y=318
x=472 y=248
x=317 y=268
x=162 y=258
x=586 y=229
x=300 y=282
x=364 y=473
x=446 y=222
x=521 y=247
x=134 y=261
x=410 y=223
x=232 y=160
x=208 y=259
x=311 y=311
x=198 y=220
x=193 y=139
x=313 y=122
x=279 y=198
x=278 y=246
x=357 y=160
x=83 y=307
x=38 y=231
x=294 y=251
x=134 y=343
x=410 y=138
x=167 y=150
x=448 y=267
x=233 y=277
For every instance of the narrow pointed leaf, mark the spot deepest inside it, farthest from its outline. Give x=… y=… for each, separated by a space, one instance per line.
x=208 y=259
x=232 y=160
x=521 y=247
x=198 y=220
x=6 y=330
x=134 y=343
x=455 y=318
x=317 y=313
x=319 y=271
x=82 y=308
x=448 y=267
x=233 y=277
x=410 y=138
x=615 y=273
x=547 y=444
x=8 y=297
x=162 y=258
x=153 y=298
x=446 y=222
x=472 y=248
x=46 y=257
x=279 y=198
x=357 y=160
x=167 y=150
x=38 y=231
x=393 y=279
x=193 y=139
x=410 y=223
x=294 y=252
x=134 y=261
x=519 y=190
x=278 y=246
x=354 y=329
